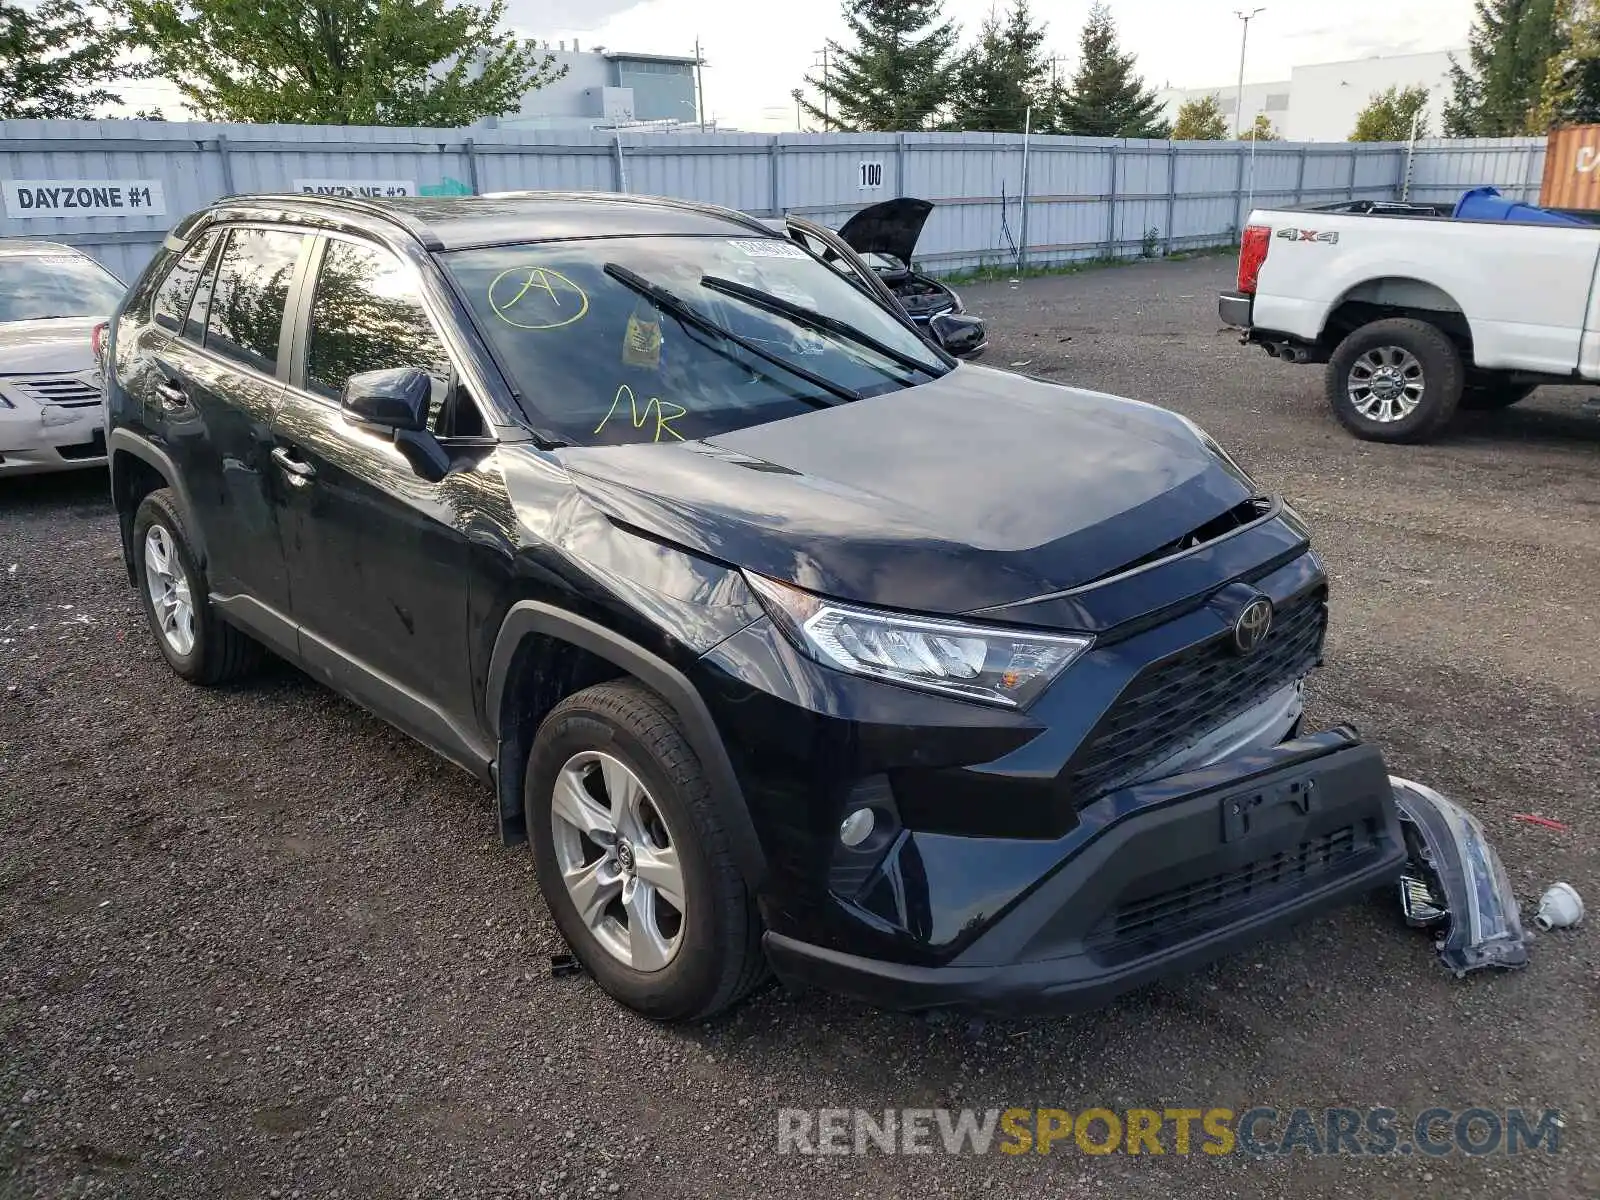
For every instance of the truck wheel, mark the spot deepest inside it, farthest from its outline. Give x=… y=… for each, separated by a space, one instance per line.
x=1487 y=397
x=632 y=858
x=1397 y=380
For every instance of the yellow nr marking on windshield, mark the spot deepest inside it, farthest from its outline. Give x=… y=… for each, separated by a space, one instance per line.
x=663 y=421
x=531 y=298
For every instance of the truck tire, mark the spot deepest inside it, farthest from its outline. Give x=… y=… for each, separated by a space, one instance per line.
x=633 y=860
x=1487 y=397
x=1396 y=380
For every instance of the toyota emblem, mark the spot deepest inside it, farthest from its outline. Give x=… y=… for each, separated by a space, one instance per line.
x=1252 y=625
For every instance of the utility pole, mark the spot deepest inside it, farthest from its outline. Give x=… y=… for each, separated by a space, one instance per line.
x=699 y=86
x=1244 y=38
x=827 y=121
x=799 y=115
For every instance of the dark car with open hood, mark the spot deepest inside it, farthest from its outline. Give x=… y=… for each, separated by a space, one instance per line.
x=788 y=641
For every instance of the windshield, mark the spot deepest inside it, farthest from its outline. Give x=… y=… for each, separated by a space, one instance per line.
x=34 y=287
x=599 y=360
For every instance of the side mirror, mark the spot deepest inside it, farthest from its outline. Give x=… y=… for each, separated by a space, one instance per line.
x=962 y=336
x=396 y=398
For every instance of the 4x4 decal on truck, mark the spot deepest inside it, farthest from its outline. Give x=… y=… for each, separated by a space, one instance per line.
x=1309 y=235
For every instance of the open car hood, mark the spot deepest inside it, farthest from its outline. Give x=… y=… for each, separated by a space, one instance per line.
x=891 y=228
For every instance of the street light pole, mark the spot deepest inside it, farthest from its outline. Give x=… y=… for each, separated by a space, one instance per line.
x=1244 y=38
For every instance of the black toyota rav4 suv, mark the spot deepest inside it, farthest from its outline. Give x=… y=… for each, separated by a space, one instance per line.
x=786 y=639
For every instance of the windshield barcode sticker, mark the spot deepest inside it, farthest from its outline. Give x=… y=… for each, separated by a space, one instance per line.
x=768 y=248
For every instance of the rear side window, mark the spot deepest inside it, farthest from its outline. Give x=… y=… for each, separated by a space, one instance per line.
x=245 y=319
x=177 y=289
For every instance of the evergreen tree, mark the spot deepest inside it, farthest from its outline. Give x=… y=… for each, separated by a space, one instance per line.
x=1201 y=121
x=55 y=60
x=1499 y=92
x=341 y=62
x=899 y=73
x=1106 y=97
x=1571 y=93
x=1388 y=115
x=1002 y=75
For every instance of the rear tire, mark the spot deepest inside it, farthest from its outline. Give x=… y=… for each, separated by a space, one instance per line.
x=1488 y=397
x=191 y=635
x=642 y=884
x=1396 y=380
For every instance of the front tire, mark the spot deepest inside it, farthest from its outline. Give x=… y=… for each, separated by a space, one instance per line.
x=191 y=635
x=632 y=857
x=1397 y=380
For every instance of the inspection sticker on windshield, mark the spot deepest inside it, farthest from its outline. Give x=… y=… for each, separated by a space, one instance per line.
x=767 y=248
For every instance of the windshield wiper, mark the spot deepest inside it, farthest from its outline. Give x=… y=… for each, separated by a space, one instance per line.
x=814 y=320
x=684 y=311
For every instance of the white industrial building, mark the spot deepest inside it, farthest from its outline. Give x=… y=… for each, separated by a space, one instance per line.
x=1320 y=102
x=607 y=88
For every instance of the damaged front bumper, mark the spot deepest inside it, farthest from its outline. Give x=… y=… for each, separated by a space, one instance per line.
x=1158 y=878
x=1453 y=878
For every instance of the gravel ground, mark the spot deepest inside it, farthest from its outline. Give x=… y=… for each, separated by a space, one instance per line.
x=255 y=943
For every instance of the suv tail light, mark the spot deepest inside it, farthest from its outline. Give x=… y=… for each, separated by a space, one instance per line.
x=97 y=342
x=1252 y=253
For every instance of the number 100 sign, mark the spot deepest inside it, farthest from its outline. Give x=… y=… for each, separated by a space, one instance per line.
x=869 y=178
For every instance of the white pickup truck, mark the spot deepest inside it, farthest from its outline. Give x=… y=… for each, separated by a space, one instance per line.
x=1417 y=312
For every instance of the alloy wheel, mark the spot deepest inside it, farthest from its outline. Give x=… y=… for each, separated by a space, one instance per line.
x=1386 y=384
x=618 y=860
x=168 y=585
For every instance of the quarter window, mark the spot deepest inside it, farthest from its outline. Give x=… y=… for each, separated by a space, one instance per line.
x=178 y=288
x=366 y=316
x=245 y=321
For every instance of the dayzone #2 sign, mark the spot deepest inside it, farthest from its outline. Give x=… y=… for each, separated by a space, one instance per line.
x=370 y=188
x=84 y=198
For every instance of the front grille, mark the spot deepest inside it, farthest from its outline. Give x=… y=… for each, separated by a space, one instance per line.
x=65 y=390
x=1175 y=703
x=1183 y=912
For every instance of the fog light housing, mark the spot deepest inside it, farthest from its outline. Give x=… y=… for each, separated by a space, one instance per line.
x=857 y=827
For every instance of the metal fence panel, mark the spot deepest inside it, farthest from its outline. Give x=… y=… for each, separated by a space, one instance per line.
x=1088 y=197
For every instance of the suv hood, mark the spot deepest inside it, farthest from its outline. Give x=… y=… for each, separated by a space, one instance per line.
x=978 y=489
x=54 y=346
x=891 y=228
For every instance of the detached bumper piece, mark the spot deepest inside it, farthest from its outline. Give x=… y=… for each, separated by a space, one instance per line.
x=1454 y=878
x=1158 y=879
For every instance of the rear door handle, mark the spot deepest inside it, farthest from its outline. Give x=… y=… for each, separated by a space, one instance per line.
x=172 y=396
x=300 y=473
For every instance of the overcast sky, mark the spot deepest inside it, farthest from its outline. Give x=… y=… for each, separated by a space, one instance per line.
x=758 y=52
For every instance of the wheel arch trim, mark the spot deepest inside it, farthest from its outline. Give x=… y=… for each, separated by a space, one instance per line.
x=128 y=442
x=532 y=618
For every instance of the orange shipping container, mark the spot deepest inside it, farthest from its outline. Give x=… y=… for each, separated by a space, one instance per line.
x=1572 y=169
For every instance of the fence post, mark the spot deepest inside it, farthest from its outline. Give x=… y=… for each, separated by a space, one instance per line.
x=226 y=163
x=900 y=163
x=1300 y=174
x=1354 y=160
x=1239 y=215
x=472 y=167
x=1111 y=206
x=774 y=150
x=619 y=172
x=1172 y=193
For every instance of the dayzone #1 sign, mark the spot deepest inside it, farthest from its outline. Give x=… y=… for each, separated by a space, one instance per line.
x=369 y=188
x=84 y=198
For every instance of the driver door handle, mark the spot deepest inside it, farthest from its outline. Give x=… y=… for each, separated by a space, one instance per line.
x=300 y=473
x=172 y=396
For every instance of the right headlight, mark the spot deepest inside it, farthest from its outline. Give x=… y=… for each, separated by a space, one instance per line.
x=988 y=663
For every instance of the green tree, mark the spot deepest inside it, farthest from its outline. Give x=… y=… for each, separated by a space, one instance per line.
x=1262 y=131
x=1571 y=91
x=340 y=62
x=897 y=75
x=1106 y=97
x=1498 y=92
x=1388 y=115
x=1201 y=121
x=56 y=59
x=1002 y=75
